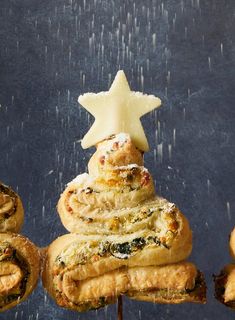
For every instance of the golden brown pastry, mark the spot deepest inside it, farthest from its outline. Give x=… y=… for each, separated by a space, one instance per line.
x=173 y=283
x=118 y=197
x=232 y=244
x=19 y=269
x=225 y=286
x=84 y=272
x=129 y=241
x=156 y=219
x=126 y=239
x=225 y=281
x=11 y=210
x=117 y=150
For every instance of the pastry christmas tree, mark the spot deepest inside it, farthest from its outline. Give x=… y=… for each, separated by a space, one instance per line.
x=124 y=238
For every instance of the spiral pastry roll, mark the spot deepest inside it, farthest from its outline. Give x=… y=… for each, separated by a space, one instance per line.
x=157 y=218
x=126 y=239
x=117 y=184
x=87 y=272
x=11 y=210
x=19 y=269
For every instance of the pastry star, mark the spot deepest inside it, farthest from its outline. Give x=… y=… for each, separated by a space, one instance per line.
x=118 y=110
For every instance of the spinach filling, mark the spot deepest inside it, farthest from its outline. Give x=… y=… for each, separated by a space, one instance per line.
x=122 y=250
x=8 y=253
x=126 y=249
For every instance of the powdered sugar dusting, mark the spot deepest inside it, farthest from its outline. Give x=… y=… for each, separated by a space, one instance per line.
x=130 y=166
x=119 y=138
x=81 y=179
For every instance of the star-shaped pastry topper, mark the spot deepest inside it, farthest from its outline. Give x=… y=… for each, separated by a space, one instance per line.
x=118 y=110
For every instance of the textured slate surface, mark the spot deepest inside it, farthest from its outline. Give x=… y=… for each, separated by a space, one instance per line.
x=182 y=51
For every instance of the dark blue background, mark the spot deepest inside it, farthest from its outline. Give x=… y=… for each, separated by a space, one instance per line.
x=183 y=52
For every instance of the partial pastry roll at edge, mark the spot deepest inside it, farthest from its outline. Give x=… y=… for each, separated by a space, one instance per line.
x=225 y=286
x=232 y=243
x=225 y=281
x=19 y=269
x=86 y=272
x=11 y=210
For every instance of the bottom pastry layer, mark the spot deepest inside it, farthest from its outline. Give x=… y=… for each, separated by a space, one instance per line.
x=196 y=294
x=174 y=283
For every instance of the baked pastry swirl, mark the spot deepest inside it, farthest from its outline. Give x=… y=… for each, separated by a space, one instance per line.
x=155 y=219
x=84 y=272
x=19 y=269
x=127 y=241
x=11 y=210
x=225 y=286
x=118 y=197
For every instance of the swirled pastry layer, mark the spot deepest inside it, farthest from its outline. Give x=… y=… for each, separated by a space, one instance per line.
x=156 y=217
x=19 y=269
x=116 y=186
x=116 y=151
x=11 y=210
x=84 y=272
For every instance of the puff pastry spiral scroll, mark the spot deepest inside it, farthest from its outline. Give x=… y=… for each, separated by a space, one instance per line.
x=126 y=240
x=86 y=272
x=11 y=210
x=19 y=269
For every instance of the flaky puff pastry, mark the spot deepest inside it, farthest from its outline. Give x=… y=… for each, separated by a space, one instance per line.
x=11 y=210
x=19 y=269
x=127 y=236
x=156 y=219
x=86 y=272
x=116 y=197
x=116 y=151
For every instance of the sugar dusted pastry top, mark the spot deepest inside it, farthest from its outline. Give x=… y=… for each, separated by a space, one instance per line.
x=109 y=195
x=118 y=151
x=117 y=198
